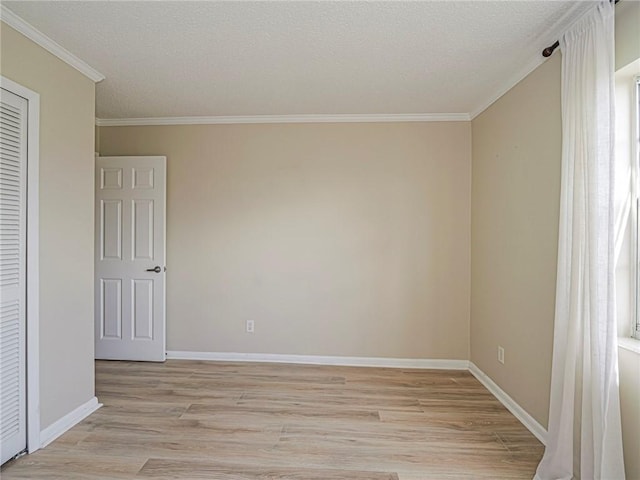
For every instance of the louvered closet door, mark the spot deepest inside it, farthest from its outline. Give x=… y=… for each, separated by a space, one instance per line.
x=13 y=160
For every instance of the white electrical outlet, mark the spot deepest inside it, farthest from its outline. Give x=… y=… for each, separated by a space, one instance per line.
x=250 y=326
x=501 y=354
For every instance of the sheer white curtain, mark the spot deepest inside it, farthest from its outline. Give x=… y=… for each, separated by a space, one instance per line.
x=585 y=439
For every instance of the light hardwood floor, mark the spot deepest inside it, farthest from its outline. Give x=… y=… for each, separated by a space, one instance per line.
x=199 y=420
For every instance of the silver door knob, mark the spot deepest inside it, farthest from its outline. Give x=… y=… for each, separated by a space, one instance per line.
x=155 y=269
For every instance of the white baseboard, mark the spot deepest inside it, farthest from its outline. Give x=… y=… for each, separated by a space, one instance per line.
x=322 y=360
x=520 y=413
x=60 y=426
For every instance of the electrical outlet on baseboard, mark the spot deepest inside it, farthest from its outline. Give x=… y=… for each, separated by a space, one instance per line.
x=250 y=326
x=501 y=354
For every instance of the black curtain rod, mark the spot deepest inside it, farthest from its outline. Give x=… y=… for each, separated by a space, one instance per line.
x=549 y=50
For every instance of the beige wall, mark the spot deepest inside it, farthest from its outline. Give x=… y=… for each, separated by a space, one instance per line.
x=66 y=221
x=336 y=239
x=515 y=204
x=514 y=236
x=627 y=32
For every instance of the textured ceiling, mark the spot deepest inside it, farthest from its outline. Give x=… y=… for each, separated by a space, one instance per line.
x=166 y=59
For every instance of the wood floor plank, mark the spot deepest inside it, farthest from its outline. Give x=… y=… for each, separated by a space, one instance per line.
x=193 y=420
x=283 y=411
x=53 y=464
x=179 y=470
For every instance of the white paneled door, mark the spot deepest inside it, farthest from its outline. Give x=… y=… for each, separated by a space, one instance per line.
x=13 y=168
x=130 y=258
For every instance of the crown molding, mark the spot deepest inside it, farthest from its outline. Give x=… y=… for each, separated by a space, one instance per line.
x=548 y=36
x=29 y=31
x=226 y=120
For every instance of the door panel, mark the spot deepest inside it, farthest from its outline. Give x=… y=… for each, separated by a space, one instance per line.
x=142 y=309
x=111 y=218
x=130 y=244
x=111 y=304
x=142 y=229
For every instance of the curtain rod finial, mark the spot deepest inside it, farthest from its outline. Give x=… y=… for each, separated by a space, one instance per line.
x=549 y=50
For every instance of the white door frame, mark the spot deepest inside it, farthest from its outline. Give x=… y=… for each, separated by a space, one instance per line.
x=33 y=267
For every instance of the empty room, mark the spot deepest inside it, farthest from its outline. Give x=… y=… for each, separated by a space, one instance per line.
x=320 y=240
